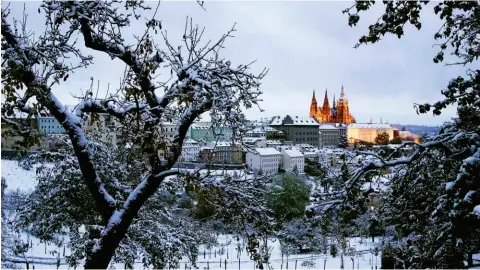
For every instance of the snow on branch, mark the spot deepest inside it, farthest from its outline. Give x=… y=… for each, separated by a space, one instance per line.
x=20 y=72
x=201 y=81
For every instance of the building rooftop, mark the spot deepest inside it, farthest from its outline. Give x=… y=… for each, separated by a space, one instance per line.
x=327 y=126
x=250 y=139
x=293 y=153
x=296 y=120
x=217 y=144
x=190 y=141
x=368 y=125
x=267 y=151
x=256 y=130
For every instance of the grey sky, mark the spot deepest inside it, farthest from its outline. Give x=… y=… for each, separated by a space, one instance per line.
x=306 y=46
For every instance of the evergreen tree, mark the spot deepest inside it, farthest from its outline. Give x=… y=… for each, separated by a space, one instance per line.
x=343 y=141
x=287 y=197
x=382 y=138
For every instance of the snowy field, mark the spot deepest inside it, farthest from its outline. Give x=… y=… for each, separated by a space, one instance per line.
x=225 y=255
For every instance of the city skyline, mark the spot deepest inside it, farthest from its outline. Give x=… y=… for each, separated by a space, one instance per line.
x=305 y=46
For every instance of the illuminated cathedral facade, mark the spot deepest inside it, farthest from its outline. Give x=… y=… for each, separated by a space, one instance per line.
x=338 y=113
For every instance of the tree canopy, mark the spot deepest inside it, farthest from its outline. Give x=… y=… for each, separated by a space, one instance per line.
x=201 y=81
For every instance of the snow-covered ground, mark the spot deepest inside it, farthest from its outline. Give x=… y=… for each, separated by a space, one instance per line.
x=221 y=256
x=43 y=256
x=16 y=177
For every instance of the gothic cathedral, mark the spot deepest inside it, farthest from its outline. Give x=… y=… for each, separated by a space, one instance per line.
x=338 y=114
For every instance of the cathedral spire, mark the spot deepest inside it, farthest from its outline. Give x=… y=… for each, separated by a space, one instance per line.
x=326 y=107
x=334 y=104
x=326 y=104
x=313 y=106
x=342 y=93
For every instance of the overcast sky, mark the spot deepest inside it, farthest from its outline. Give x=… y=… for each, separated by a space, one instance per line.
x=306 y=46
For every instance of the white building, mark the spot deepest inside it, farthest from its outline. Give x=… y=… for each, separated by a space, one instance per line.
x=254 y=142
x=327 y=158
x=266 y=160
x=291 y=158
x=257 y=132
x=367 y=132
x=167 y=131
x=190 y=150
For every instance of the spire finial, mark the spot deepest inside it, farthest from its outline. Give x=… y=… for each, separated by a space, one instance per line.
x=313 y=97
x=342 y=93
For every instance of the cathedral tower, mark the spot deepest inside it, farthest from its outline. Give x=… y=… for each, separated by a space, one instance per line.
x=326 y=107
x=313 y=106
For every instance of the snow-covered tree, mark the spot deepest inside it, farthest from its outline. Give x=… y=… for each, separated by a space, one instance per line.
x=12 y=245
x=165 y=229
x=456 y=210
x=201 y=82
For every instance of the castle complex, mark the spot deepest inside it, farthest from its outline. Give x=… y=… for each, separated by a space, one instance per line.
x=339 y=113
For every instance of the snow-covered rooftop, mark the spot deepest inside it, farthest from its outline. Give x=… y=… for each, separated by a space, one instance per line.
x=256 y=130
x=251 y=139
x=327 y=126
x=368 y=125
x=217 y=144
x=293 y=152
x=190 y=141
x=297 y=120
x=270 y=129
x=325 y=151
x=274 y=142
x=200 y=127
x=305 y=145
x=267 y=151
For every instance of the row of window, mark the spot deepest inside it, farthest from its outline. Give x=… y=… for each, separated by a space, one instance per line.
x=271 y=160
x=270 y=165
x=307 y=139
x=305 y=133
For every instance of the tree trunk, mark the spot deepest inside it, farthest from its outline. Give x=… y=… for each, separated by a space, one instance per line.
x=101 y=257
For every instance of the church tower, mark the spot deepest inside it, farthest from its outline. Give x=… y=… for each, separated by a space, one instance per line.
x=343 y=112
x=313 y=106
x=326 y=108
